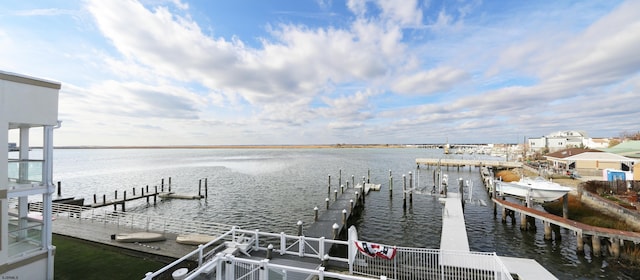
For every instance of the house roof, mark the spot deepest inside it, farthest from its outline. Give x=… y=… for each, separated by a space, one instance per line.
x=600 y=156
x=628 y=149
x=569 y=152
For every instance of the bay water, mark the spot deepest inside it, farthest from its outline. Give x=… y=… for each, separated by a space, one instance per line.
x=272 y=189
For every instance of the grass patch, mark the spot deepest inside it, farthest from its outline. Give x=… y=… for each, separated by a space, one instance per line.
x=76 y=259
x=586 y=215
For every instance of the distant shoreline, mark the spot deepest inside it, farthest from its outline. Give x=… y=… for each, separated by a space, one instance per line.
x=346 y=146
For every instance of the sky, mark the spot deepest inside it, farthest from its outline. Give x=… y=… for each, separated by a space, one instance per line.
x=212 y=72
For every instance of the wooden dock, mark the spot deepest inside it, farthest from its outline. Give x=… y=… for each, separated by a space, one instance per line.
x=581 y=230
x=466 y=162
x=338 y=212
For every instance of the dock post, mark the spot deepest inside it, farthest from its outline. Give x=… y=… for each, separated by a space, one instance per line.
x=124 y=198
x=353 y=181
x=504 y=213
x=116 y=195
x=299 y=228
x=461 y=191
x=200 y=188
x=565 y=206
x=390 y=186
x=329 y=186
x=341 y=189
x=410 y=187
x=363 y=192
x=547 y=230
x=162 y=184
x=133 y=190
x=104 y=199
x=327 y=202
x=147 y=188
x=595 y=245
x=404 y=192
x=335 y=195
x=94 y=199
x=344 y=217
x=339 y=177
x=523 y=221
x=206 y=188
x=579 y=242
x=615 y=247
x=59 y=188
x=351 y=205
x=315 y=214
x=269 y=251
x=357 y=197
x=335 y=228
x=368 y=175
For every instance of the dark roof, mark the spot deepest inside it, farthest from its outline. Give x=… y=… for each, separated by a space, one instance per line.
x=569 y=152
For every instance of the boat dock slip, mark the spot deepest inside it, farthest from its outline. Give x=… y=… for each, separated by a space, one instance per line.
x=467 y=162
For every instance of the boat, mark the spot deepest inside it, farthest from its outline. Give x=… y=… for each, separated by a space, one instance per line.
x=539 y=189
x=140 y=237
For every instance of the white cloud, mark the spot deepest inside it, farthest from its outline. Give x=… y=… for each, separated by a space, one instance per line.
x=436 y=80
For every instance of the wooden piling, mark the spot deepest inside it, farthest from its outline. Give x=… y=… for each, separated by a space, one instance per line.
x=390 y=185
x=329 y=186
x=547 y=230
x=404 y=192
x=124 y=195
x=95 y=199
x=59 y=188
x=615 y=248
x=206 y=188
x=565 y=206
x=579 y=242
x=339 y=177
x=200 y=188
x=596 y=246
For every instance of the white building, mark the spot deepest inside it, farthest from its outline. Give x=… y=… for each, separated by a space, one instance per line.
x=27 y=105
x=559 y=140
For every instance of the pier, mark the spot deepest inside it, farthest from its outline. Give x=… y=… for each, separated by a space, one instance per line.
x=583 y=231
x=466 y=162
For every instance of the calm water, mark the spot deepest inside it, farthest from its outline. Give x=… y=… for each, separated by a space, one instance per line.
x=272 y=189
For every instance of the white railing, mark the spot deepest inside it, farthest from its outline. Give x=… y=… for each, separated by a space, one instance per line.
x=408 y=263
x=228 y=267
x=256 y=240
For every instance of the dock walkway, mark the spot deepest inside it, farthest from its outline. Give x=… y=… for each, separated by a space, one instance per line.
x=323 y=226
x=580 y=228
x=454 y=238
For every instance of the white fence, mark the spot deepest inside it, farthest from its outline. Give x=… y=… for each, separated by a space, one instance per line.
x=408 y=263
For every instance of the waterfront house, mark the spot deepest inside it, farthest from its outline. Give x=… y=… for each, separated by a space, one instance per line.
x=28 y=106
x=559 y=140
x=558 y=159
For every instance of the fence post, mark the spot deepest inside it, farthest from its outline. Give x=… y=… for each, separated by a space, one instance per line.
x=321 y=247
x=283 y=243
x=301 y=244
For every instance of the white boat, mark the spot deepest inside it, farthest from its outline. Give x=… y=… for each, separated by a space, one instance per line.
x=539 y=189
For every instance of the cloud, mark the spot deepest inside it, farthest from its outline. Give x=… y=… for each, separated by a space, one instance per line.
x=436 y=80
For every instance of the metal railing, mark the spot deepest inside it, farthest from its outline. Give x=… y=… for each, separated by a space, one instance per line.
x=261 y=241
x=228 y=267
x=408 y=263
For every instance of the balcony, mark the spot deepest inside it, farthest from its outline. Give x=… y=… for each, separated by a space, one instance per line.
x=25 y=236
x=25 y=175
